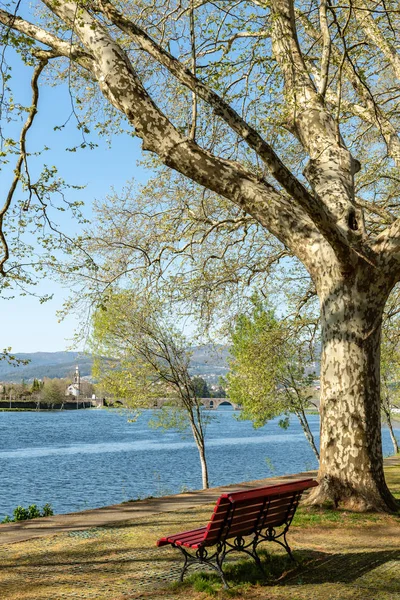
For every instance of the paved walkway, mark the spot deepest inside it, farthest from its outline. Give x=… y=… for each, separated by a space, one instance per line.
x=108 y=515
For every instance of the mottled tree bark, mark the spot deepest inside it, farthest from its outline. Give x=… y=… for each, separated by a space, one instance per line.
x=351 y=464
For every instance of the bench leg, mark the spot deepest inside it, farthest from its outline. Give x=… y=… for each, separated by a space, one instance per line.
x=272 y=537
x=185 y=564
x=287 y=548
x=256 y=557
x=239 y=545
x=201 y=558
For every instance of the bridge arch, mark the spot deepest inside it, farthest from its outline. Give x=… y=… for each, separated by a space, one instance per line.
x=217 y=402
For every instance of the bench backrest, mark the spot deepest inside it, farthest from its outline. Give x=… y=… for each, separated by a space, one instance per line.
x=245 y=513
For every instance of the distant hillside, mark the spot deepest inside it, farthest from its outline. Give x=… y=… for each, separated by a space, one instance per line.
x=46 y=364
x=205 y=361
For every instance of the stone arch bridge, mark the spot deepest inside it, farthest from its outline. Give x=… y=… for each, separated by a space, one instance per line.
x=208 y=403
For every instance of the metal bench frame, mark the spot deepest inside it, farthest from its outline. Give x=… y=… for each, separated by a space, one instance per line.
x=264 y=529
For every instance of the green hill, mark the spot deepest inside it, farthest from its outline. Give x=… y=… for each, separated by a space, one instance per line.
x=205 y=361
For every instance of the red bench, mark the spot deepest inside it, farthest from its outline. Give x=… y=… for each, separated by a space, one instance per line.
x=261 y=514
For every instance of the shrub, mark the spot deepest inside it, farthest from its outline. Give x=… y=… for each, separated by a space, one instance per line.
x=47 y=511
x=32 y=512
x=20 y=513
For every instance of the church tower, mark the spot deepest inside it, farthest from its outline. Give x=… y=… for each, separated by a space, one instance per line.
x=77 y=381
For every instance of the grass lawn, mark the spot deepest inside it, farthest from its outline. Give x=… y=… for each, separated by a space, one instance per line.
x=340 y=556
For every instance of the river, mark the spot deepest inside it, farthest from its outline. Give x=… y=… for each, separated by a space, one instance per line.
x=77 y=460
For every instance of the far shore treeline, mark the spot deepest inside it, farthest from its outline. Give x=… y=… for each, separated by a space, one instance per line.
x=42 y=393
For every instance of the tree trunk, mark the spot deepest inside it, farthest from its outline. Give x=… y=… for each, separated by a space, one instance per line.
x=307 y=431
x=388 y=417
x=393 y=437
x=203 y=462
x=351 y=461
x=198 y=437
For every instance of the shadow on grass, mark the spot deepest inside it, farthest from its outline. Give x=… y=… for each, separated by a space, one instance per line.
x=311 y=568
x=330 y=517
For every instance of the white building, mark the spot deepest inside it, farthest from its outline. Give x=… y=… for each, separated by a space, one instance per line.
x=75 y=388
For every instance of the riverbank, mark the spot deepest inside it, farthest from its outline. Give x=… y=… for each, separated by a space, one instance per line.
x=23 y=406
x=341 y=555
x=112 y=515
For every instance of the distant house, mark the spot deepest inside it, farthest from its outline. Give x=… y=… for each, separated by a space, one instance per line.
x=75 y=388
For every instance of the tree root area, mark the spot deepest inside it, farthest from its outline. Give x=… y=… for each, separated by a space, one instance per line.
x=333 y=493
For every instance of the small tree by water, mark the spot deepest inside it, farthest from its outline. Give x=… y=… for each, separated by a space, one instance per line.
x=268 y=369
x=390 y=374
x=150 y=361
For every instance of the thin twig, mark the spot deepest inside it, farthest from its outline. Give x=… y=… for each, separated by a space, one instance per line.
x=21 y=160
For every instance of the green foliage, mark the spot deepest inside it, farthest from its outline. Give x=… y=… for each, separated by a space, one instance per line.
x=11 y=359
x=150 y=361
x=47 y=511
x=23 y=514
x=200 y=387
x=268 y=368
x=257 y=366
x=32 y=512
x=390 y=369
x=53 y=391
x=7 y=519
x=149 y=356
x=35 y=385
x=170 y=416
x=263 y=363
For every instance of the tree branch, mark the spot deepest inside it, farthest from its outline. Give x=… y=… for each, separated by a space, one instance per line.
x=326 y=48
x=21 y=160
x=331 y=168
x=370 y=112
x=276 y=167
x=39 y=34
x=120 y=84
x=373 y=32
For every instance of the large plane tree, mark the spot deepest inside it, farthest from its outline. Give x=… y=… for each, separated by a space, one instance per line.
x=289 y=110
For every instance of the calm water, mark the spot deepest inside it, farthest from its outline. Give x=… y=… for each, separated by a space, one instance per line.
x=88 y=458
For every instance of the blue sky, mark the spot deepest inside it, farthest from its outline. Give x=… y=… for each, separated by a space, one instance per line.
x=27 y=325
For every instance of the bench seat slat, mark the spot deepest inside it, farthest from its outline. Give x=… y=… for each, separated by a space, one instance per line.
x=253 y=524
x=271 y=502
x=217 y=523
x=245 y=509
x=271 y=490
x=278 y=519
x=256 y=513
x=194 y=536
x=271 y=506
x=279 y=509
